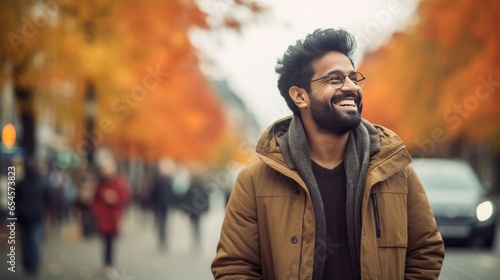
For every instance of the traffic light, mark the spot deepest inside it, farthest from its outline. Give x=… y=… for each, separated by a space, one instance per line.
x=9 y=136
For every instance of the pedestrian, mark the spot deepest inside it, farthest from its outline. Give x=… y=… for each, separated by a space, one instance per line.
x=68 y=195
x=196 y=202
x=51 y=178
x=85 y=180
x=32 y=201
x=86 y=183
x=331 y=196
x=162 y=197
x=111 y=196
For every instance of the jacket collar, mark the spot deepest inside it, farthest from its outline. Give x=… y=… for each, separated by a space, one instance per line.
x=274 y=141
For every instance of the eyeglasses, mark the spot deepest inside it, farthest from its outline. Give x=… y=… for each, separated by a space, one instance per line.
x=337 y=79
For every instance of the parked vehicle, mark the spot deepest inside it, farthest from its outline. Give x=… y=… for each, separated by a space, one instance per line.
x=463 y=212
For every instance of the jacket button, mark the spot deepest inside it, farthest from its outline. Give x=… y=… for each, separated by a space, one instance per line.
x=293 y=240
x=296 y=191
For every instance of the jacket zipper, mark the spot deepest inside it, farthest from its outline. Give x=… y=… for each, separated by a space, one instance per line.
x=302 y=239
x=375 y=212
x=373 y=196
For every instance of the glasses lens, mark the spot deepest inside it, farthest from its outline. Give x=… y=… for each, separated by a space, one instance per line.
x=357 y=78
x=336 y=80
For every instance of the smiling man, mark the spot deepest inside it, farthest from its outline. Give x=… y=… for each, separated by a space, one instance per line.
x=331 y=196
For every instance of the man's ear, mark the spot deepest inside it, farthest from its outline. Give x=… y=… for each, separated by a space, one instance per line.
x=299 y=96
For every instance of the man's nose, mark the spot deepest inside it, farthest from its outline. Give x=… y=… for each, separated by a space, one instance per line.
x=349 y=85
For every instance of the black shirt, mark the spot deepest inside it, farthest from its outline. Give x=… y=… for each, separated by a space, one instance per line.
x=332 y=186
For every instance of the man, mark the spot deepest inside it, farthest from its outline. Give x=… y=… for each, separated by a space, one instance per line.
x=161 y=198
x=331 y=196
x=32 y=201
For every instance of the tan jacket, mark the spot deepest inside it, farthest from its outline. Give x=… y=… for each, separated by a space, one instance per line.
x=269 y=228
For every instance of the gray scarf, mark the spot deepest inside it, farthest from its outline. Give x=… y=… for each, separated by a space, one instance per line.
x=363 y=142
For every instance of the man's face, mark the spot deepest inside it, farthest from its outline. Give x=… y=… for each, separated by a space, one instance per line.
x=334 y=110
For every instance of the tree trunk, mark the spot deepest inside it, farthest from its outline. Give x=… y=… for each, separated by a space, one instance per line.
x=24 y=99
x=90 y=115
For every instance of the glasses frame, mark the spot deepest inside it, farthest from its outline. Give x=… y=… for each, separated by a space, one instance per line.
x=343 y=80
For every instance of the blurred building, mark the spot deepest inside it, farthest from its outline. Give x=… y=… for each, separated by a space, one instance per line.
x=238 y=115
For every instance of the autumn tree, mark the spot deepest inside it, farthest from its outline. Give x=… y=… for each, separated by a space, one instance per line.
x=133 y=58
x=436 y=83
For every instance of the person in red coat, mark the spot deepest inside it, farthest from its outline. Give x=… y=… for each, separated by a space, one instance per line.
x=111 y=196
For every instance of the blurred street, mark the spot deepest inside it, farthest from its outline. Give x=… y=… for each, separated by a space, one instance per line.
x=471 y=264
x=67 y=255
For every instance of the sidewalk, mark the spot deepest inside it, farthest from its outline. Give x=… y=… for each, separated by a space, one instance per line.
x=68 y=256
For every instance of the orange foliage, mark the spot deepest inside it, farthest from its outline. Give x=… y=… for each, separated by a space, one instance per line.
x=441 y=74
x=152 y=98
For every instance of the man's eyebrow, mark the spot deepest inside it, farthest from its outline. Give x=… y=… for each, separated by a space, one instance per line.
x=337 y=71
x=332 y=71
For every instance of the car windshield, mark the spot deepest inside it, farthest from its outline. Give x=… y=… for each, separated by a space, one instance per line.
x=444 y=177
x=435 y=181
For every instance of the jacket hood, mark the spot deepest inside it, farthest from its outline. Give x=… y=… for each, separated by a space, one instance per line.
x=268 y=144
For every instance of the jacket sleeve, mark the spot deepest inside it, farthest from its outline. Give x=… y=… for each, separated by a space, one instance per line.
x=238 y=250
x=425 y=253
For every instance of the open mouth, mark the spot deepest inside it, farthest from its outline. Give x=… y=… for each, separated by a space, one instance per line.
x=345 y=103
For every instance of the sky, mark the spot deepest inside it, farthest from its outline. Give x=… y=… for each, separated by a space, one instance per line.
x=247 y=60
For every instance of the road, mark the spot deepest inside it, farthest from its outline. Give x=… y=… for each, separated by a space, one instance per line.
x=462 y=263
x=471 y=264
x=67 y=255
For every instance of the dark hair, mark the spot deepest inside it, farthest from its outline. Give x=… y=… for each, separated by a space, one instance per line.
x=295 y=67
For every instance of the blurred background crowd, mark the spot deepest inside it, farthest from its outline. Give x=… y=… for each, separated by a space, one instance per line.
x=166 y=100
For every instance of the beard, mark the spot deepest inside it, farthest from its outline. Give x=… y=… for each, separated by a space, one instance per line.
x=331 y=120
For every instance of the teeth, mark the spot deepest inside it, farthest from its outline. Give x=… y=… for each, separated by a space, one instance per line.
x=348 y=102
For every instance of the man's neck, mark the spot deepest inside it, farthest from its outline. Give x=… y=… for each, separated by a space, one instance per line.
x=327 y=149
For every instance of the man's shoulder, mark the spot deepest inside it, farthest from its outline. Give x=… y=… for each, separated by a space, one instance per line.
x=258 y=170
x=381 y=129
x=387 y=134
x=389 y=142
x=255 y=166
